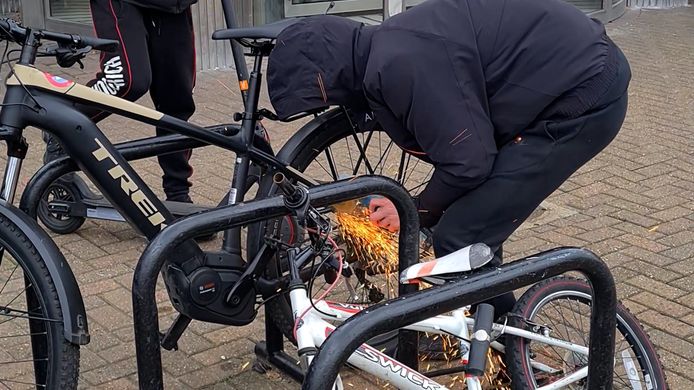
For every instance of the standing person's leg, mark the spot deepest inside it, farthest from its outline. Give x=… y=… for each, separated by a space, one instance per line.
x=528 y=170
x=121 y=21
x=172 y=56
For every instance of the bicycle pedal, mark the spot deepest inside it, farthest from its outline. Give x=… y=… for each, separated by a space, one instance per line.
x=167 y=345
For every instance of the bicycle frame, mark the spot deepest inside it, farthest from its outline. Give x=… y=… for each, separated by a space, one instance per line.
x=313 y=331
x=94 y=153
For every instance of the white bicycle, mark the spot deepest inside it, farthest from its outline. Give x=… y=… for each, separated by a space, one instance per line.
x=545 y=338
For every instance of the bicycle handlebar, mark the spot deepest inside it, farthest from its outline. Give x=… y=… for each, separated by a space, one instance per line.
x=9 y=29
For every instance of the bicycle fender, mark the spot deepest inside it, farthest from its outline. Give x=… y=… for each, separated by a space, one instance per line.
x=307 y=132
x=69 y=295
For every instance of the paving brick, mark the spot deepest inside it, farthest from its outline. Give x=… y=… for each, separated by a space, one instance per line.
x=210 y=375
x=111 y=372
x=686 y=283
x=643 y=243
x=600 y=234
x=672 y=344
x=682 y=367
x=683 y=267
x=679 y=238
x=672 y=213
x=120 y=298
x=99 y=287
x=667 y=324
x=109 y=317
x=634 y=308
x=678 y=382
x=661 y=305
x=662 y=289
x=648 y=256
x=228 y=352
x=636 y=218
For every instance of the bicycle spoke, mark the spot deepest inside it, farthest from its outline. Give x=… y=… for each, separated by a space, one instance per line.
x=322 y=167
x=578 y=320
x=331 y=163
x=384 y=157
x=20 y=293
x=404 y=172
x=9 y=277
x=362 y=153
x=349 y=153
x=551 y=304
x=401 y=166
x=423 y=183
x=13 y=316
x=408 y=175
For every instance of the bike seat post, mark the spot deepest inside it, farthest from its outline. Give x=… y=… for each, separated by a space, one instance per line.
x=232 y=239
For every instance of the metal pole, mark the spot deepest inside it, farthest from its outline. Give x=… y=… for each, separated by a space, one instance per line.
x=404 y=311
x=161 y=247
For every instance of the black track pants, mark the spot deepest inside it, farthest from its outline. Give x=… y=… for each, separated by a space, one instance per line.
x=526 y=171
x=157 y=53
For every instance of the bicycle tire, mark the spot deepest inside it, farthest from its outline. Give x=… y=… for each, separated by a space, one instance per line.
x=636 y=341
x=336 y=127
x=63 y=357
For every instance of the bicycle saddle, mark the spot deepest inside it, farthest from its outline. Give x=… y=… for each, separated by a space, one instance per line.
x=267 y=31
x=464 y=260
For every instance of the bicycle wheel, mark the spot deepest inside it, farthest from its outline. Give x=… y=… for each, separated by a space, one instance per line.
x=337 y=151
x=563 y=304
x=35 y=353
x=59 y=222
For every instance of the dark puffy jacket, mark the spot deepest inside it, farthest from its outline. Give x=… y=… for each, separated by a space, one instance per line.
x=171 y=6
x=449 y=80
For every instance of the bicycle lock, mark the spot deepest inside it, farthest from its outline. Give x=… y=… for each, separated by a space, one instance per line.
x=146 y=321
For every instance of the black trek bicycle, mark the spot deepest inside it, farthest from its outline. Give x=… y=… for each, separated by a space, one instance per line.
x=52 y=316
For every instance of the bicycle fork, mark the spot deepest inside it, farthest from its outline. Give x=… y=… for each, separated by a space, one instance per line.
x=16 y=152
x=9 y=183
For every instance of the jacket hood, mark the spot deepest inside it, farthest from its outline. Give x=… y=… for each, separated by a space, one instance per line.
x=319 y=62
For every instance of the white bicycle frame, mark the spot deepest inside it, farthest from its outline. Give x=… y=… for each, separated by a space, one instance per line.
x=313 y=329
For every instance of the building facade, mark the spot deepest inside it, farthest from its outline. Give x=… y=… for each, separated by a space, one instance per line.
x=74 y=16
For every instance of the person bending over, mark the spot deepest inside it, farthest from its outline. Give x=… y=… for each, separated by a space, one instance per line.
x=505 y=98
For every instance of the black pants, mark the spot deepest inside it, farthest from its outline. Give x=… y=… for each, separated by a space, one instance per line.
x=527 y=170
x=157 y=53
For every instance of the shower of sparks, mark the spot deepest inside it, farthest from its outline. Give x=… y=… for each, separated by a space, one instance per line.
x=374 y=247
x=376 y=250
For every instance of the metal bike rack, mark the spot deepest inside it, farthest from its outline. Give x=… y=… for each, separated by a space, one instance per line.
x=404 y=311
x=145 y=317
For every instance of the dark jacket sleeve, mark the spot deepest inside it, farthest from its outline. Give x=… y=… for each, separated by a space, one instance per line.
x=427 y=86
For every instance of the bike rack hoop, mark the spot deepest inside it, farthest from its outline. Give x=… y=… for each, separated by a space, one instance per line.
x=437 y=300
x=149 y=265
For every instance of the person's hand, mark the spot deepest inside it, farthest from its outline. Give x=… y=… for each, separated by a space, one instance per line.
x=384 y=214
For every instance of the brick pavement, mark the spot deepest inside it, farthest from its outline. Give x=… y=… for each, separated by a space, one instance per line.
x=633 y=205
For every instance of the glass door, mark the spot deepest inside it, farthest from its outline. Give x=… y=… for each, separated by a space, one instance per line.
x=71 y=16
